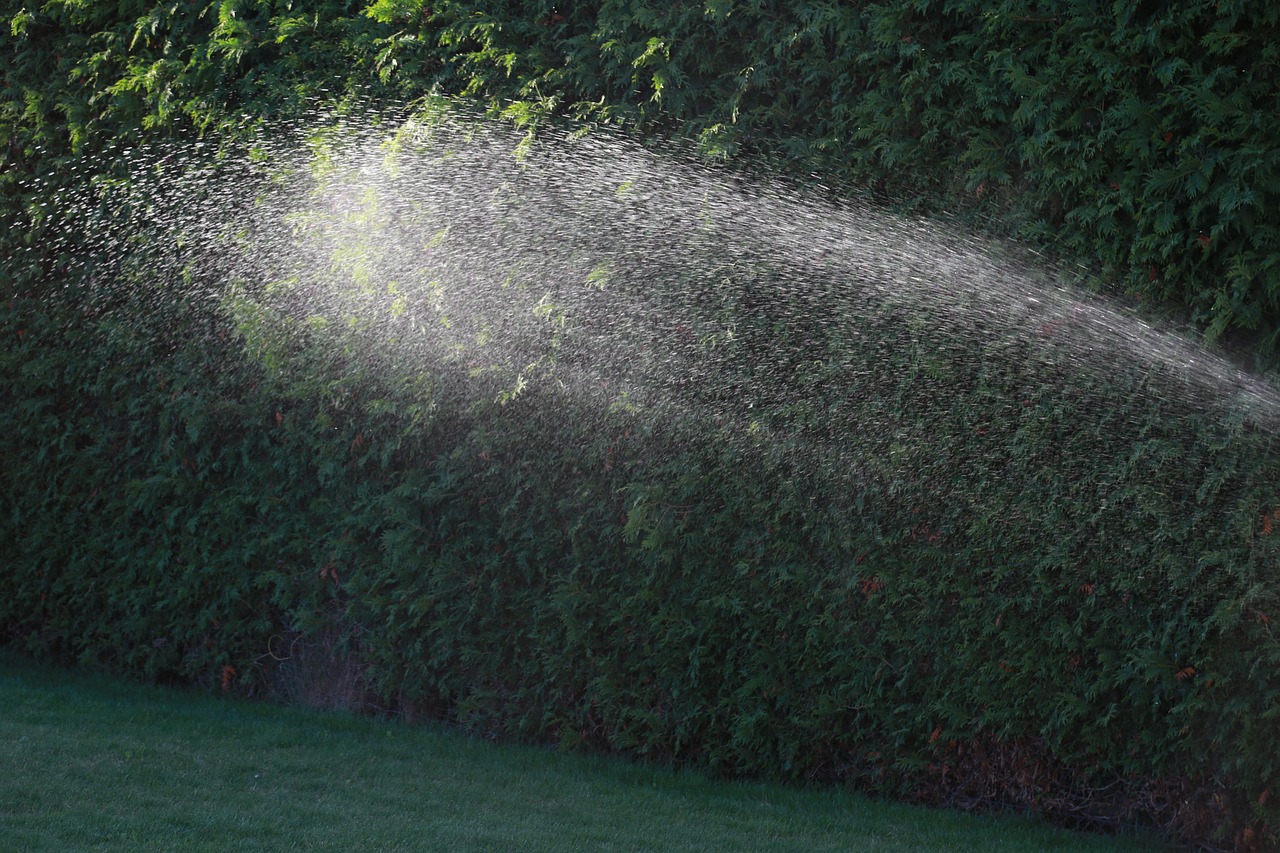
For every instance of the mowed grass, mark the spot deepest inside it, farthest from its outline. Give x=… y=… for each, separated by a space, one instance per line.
x=91 y=763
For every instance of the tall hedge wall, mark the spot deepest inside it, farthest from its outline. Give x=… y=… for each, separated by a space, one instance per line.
x=1028 y=565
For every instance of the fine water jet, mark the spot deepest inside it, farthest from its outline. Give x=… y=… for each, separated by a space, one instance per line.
x=447 y=246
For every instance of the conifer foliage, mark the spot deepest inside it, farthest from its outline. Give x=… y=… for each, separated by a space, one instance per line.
x=1048 y=589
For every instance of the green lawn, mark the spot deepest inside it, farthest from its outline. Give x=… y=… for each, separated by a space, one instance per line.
x=88 y=763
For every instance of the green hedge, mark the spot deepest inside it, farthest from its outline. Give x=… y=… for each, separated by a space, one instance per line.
x=1024 y=566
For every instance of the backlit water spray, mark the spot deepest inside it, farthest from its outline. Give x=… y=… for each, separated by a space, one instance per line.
x=459 y=259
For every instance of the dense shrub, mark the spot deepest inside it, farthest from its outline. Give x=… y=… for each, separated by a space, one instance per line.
x=849 y=541
x=1030 y=564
